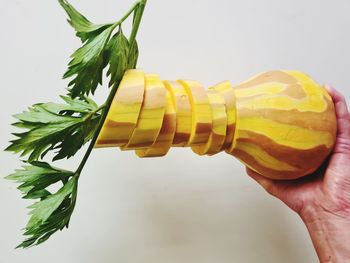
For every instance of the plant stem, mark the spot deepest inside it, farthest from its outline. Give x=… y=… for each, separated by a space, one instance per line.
x=100 y=125
x=136 y=23
x=132 y=9
x=139 y=6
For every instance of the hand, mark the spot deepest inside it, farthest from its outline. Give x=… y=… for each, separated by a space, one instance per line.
x=322 y=199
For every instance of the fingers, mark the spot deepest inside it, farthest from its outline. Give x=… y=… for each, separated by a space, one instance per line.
x=266 y=183
x=342 y=112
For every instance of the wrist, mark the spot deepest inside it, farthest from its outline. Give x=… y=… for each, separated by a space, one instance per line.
x=330 y=233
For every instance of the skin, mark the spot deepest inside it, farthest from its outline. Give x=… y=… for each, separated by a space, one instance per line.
x=322 y=199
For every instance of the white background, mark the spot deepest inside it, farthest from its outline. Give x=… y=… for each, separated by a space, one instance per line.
x=180 y=208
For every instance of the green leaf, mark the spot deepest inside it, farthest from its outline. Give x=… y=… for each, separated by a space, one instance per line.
x=56 y=220
x=36 y=176
x=87 y=65
x=42 y=210
x=84 y=28
x=82 y=105
x=53 y=211
x=81 y=135
x=133 y=56
x=65 y=127
x=50 y=126
x=40 y=194
x=117 y=53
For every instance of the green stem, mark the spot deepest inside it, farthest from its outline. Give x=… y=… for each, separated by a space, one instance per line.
x=91 y=114
x=130 y=11
x=137 y=21
x=100 y=125
x=140 y=5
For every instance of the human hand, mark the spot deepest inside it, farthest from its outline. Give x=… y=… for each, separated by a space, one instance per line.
x=329 y=187
x=322 y=199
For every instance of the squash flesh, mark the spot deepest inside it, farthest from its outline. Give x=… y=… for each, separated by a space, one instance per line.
x=182 y=107
x=151 y=115
x=281 y=124
x=125 y=109
x=165 y=138
x=218 y=134
x=226 y=90
x=201 y=112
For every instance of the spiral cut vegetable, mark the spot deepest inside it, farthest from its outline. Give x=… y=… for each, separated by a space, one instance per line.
x=281 y=124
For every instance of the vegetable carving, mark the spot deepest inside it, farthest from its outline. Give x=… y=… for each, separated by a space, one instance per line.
x=279 y=123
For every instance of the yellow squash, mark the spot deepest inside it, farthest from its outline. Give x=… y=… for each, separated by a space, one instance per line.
x=219 y=125
x=182 y=107
x=165 y=138
x=201 y=112
x=123 y=115
x=286 y=125
x=227 y=92
x=151 y=116
x=281 y=124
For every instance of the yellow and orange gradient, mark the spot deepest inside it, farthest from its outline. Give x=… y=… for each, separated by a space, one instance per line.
x=281 y=124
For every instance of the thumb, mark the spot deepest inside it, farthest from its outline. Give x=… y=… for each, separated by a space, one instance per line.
x=266 y=183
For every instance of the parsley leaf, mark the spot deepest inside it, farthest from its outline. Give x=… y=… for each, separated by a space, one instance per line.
x=50 y=126
x=87 y=65
x=53 y=211
x=66 y=127
x=117 y=53
x=87 y=62
x=35 y=177
x=84 y=28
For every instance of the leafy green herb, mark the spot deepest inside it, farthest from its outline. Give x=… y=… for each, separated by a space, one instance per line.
x=117 y=53
x=84 y=28
x=87 y=65
x=67 y=126
x=87 y=62
x=53 y=211
x=62 y=127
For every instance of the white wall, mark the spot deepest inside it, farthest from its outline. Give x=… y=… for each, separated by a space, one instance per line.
x=180 y=208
